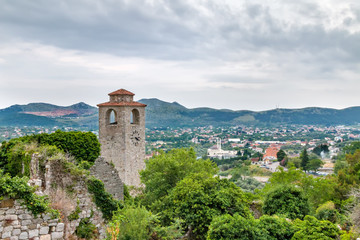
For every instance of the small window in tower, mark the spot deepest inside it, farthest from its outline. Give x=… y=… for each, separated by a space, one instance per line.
x=112 y=117
x=135 y=117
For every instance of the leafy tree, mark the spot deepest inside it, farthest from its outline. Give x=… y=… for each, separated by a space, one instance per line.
x=234 y=227
x=318 y=190
x=322 y=148
x=281 y=155
x=293 y=162
x=286 y=200
x=304 y=159
x=311 y=228
x=327 y=211
x=276 y=228
x=258 y=155
x=133 y=223
x=314 y=164
x=164 y=171
x=198 y=199
x=237 y=227
x=349 y=176
x=351 y=148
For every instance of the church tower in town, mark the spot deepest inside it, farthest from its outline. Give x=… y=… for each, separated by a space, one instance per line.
x=122 y=135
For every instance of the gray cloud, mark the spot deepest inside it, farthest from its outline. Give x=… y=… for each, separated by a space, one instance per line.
x=234 y=45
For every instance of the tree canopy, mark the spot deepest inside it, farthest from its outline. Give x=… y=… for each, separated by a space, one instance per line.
x=288 y=201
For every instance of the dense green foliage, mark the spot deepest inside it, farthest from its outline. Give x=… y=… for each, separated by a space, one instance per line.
x=133 y=223
x=281 y=155
x=235 y=227
x=327 y=211
x=15 y=155
x=311 y=228
x=86 y=229
x=304 y=156
x=137 y=223
x=288 y=201
x=197 y=199
x=165 y=170
x=317 y=190
x=322 y=148
x=84 y=146
x=104 y=200
x=17 y=188
x=276 y=228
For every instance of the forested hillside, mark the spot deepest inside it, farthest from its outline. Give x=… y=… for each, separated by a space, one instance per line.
x=165 y=114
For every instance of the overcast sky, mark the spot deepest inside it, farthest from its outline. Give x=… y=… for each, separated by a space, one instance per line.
x=235 y=54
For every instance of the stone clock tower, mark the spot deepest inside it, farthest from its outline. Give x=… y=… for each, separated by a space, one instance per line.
x=122 y=135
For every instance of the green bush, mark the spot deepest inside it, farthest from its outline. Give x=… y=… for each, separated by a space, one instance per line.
x=311 y=228
x=135 y=223
x=104 y=200
x=276 y=228
x=17 y=188
x=164 y=171
x=86 y=229
x=84 y=146
x=227 y=227
x=327 y=211
x=198 y=199
x=286 y=200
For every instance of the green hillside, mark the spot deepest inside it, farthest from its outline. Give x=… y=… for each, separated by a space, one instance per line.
x=165 y=114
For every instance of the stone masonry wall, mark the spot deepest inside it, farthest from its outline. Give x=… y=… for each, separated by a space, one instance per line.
x=76 y=189
x=68 y=194
x=110 y=177
x=16 y=222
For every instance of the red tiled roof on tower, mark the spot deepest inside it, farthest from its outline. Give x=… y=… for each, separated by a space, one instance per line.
x=121 y=104
x=121 y=92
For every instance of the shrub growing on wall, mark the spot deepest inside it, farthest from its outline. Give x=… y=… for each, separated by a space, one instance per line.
x=16 y=187
x=84 y=146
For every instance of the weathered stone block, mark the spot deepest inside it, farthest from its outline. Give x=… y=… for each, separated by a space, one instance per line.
x=25 y=216
x=44 y=230
x=45 y=237
x=32 y=226
x=24 y=228
x=46 y=217
x=20 y=211
x=16 y=232
x=33 y=233
x=14 y=238
x=60 y=227
x=57 y=235
x=12 y=217
x=10 y=211
x=8 y=229
x=6 y=234
x=25 y=222
x=24 y=235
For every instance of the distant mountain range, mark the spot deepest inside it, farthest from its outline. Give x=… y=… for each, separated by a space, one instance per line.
x=165 y=114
